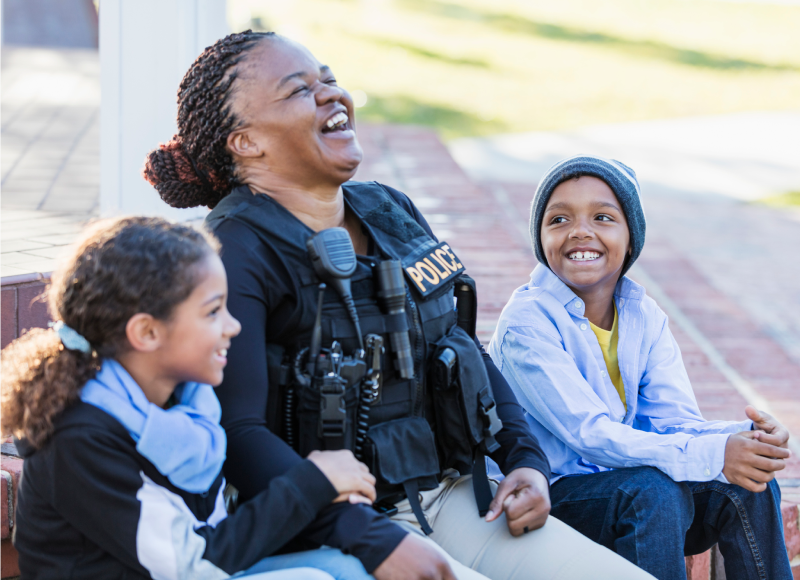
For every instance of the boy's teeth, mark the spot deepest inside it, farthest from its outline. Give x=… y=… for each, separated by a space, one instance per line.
x=584 y=256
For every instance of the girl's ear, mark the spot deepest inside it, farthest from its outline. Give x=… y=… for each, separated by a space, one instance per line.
x=144 y=332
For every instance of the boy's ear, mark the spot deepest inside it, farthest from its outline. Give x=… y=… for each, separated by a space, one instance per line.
x=144 y=332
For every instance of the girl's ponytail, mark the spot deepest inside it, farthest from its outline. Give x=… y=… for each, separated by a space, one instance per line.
x=40 y=379
x=120 y=267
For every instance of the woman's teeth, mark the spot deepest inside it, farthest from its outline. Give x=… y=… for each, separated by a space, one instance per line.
x=337 y=121
x=583 y=256
x=223 y=352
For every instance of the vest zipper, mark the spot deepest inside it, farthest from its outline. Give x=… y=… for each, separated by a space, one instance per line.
x=419 y=354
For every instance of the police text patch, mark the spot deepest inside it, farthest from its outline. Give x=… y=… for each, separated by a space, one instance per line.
x=432 y=267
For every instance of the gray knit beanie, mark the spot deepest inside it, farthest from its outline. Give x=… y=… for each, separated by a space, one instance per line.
x=620 y=178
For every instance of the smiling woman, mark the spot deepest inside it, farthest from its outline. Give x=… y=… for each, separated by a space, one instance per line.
x=266 y=138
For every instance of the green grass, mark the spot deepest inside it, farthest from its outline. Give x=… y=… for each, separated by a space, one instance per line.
x=790 y=199
x=477 y=67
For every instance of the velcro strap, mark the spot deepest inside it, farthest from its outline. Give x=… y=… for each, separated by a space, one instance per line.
x=412 y=492
x=480 y=483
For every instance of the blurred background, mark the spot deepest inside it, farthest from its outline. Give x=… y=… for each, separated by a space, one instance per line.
x=463 y=105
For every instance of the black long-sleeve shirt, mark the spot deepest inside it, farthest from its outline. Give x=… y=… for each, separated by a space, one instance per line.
x=90 y=506
x=260 y=294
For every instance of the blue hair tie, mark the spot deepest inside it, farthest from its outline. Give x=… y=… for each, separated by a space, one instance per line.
x=70 y=337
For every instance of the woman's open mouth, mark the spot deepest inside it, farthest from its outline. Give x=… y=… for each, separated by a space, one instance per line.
x=583 y=256
x=337 y=123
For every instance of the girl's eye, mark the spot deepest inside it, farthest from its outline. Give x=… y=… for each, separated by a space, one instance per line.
x=215 y=311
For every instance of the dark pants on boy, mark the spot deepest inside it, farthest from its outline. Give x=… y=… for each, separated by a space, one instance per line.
x=653 y=521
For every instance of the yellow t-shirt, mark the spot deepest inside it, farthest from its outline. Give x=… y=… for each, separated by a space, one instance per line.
x=608 y=340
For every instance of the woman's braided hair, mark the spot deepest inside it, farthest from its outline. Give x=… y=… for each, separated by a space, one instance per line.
x=118 y=268
x=195 y=167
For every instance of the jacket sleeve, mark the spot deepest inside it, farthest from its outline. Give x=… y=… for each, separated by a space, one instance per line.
x=256 y=455
x=550 y=387
x=518 y=446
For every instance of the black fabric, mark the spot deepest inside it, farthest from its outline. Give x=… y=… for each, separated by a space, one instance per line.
x=261 y=294
x=78 y=513
x=480 y=484
x=404 y=449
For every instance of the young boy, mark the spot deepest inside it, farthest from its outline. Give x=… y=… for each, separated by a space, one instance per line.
x=592 y=360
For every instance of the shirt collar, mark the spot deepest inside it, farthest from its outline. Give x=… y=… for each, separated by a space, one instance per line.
x=543 y=277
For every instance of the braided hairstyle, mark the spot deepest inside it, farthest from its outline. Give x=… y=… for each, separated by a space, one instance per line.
x=119 y=268
x=195 y=167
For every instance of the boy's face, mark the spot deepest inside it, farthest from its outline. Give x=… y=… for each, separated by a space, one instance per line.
x=585 y=234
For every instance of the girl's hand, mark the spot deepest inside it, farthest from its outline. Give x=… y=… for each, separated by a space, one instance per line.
x=349 y=476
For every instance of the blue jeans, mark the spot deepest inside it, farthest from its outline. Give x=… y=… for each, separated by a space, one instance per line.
x=653 y=521
x=338 y=565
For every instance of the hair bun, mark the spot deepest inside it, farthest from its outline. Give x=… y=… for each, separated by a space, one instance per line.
x=177 y=179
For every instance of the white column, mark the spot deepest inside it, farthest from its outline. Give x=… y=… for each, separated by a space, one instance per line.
x=146 y=46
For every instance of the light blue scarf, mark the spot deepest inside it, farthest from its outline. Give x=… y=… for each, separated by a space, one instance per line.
x=186 y=442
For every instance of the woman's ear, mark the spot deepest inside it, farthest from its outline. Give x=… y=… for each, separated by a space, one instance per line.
x=241 y=145
x=144 y=332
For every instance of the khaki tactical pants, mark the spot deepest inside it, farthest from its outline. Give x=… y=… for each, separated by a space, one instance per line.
x=479 y=550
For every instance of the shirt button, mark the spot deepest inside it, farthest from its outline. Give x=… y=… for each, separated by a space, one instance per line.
x=708 y=471
x=584 y=327
x=622 y=419
x=621 y=301
x=602 y=373
x=577 y=304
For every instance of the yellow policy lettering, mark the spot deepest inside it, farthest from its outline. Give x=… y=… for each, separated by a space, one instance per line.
x=441 y=260
x=433 y=278
x=442 y=275
x=446 y=248
x=417 y=277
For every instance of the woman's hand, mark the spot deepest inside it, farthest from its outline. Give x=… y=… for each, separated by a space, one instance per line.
x=414 y=559
x=525 y=498
x=751 y=463
x=347 y=475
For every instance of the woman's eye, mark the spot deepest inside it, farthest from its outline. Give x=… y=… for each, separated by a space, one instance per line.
x=298 y=90
x=330 y=82
x=215 y=311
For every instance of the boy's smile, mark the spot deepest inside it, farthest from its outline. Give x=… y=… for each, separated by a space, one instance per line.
x=585 y=234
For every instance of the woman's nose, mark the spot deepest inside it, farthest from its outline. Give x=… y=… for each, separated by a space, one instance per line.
x=329 y=93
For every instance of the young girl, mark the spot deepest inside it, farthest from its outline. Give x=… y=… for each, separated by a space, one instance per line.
x=113 y=411
x=591 y=359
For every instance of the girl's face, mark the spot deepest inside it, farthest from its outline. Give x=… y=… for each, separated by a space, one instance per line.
x=300 y=121
x=199 y=332
x=585 y=234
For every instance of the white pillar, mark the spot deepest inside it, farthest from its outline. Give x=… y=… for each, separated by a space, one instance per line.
x=146 y=46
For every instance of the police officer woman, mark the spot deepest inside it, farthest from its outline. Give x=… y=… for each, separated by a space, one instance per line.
x=267 y=139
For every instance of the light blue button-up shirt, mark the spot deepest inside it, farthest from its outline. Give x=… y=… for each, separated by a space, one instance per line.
x=548 y=353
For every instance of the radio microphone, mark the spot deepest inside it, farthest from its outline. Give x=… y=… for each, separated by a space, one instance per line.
x=393 y=295
x=334 y=261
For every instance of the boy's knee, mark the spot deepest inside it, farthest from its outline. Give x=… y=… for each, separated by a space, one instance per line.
x=659 y=491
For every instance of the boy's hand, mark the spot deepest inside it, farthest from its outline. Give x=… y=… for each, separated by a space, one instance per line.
x=750 y=463
x=525 y=497
x=779 y=435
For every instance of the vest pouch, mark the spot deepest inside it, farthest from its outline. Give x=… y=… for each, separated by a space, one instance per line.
x=315 y=429
x=402 y=450
x=463 y=403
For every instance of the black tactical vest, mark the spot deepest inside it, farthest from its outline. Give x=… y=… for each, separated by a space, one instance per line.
x=417 y=427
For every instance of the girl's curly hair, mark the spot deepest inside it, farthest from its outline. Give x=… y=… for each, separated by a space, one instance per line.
x=195 y=167
x=118 y=268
